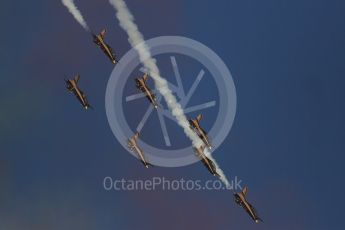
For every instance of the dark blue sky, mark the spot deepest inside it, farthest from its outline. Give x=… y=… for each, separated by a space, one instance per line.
x=287 y=61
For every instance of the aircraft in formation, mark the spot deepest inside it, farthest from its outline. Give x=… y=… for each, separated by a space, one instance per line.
x=72 y=86
x=133 y=146
x=195 y=126
x=142 y=86
x=98 y=39
x=240 y=199
x=209 y=164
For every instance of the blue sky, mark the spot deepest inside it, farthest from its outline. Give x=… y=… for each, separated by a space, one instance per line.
x=286 y=144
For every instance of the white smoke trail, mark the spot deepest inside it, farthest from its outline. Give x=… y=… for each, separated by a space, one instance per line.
x=76 y=13
x=136 y=40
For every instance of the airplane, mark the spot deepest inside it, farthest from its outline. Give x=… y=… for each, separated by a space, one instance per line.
x=194 y=124
x=99 y=40
x=206 y=161
x=240 y=199
x=133 y=146
x=72 y=86
x=141 y=84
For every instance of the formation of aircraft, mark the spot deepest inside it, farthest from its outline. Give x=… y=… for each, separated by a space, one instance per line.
x=72 y=86
x=209 y=164
x=99 y=41
x=133 y=146
x=240 y=199
x=194 y=124
x=140 y=83
x=72 y=83
x=206 y=161
x=142 y=86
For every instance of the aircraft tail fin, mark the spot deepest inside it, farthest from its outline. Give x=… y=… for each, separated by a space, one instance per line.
x=103 y=32
x=145 y=76
x=199 y=117
x=245 y=190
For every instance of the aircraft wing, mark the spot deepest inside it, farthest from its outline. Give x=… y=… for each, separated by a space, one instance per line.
x=83 y=95
x=202 y=130
x=253 y=209
x=103 y=48
x=153 y=96
x=110 y=50
x=192 y=125
x=212 y=164
x=75 y=91
x=255 y=212
x=96 y=40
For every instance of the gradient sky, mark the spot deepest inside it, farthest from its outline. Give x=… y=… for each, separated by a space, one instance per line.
x=287 y=59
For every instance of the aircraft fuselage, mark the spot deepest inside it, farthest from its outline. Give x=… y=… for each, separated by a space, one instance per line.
x=141 y=84
x=98 y=40
x=134 y=147
x=207 y=162
x=200 y=132
x=241 y=200
x=72 y=86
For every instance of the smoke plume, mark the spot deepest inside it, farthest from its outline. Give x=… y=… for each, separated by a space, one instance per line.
x=76 y=13
x=136 y=40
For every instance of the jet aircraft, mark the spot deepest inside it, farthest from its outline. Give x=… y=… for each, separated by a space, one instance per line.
x=194 y=124
x=133 y=146
x=206 y=161
x=99 y=40
x=141 y=85
x=240 y=199
x=72 y=86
